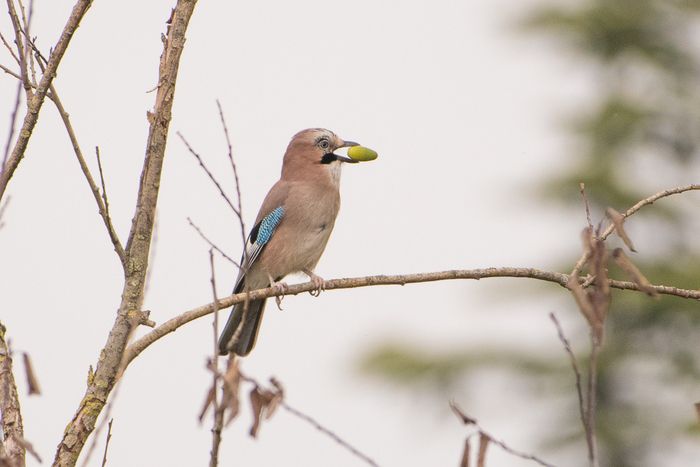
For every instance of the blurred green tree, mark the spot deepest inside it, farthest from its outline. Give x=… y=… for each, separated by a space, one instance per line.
x=642 y=125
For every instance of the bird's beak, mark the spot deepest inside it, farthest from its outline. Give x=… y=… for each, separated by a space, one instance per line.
x=347 y=144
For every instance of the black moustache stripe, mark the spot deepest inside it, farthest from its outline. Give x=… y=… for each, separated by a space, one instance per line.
x=328 y=158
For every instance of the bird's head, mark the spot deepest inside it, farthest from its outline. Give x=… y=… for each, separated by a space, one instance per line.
x=311 y=150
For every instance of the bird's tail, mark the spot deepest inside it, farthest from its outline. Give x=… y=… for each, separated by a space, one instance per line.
x=248 y=333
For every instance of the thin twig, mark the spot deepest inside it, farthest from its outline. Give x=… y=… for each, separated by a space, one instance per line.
x=592 y=400
x=639 y=205
x=235 y=174
x=9 y=48
x=101 y=200
x=218 y=422
x=37 y=99
x=469 y=421
x=577 y=374
x=212 y=244
x=555 y=277
x=313 y=422
x=209 y=174
x=19 y=43
x=13 y=74
x=109 y=437
x=102 y=181
x=13 y=123
x=27 y=21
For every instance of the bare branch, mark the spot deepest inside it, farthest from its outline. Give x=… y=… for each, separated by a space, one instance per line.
x=109 y=437
x=212 y=244
x=592 y=400
x=12 y=52
x=13 y=74
x=210 y=175
x=311 y=421
x=485 y=438
x=555 y=277
x=239 y=212
x=37 y=99
x=104 y=207
x=634 y=209
x=13 y=123
x=275 y=397
x=102 y=203
x=577 y=374
x=21 y=52
x=218 y=421
x=12 y=427
x=26 y=22
x=112 y=363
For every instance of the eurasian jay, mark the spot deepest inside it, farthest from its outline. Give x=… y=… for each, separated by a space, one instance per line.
x=291 y=229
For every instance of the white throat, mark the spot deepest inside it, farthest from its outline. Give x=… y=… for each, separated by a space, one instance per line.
x=334 y=172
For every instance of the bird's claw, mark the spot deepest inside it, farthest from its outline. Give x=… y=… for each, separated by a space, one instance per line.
x=319 y=283
x=280 y=287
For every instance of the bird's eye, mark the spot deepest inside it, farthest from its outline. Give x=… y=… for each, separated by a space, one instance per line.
x=324 y=144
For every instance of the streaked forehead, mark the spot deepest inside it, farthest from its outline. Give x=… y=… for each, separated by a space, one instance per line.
x=313 y=134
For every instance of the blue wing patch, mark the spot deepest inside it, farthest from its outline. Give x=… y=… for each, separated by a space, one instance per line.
x=268 y=225
x=259 y=237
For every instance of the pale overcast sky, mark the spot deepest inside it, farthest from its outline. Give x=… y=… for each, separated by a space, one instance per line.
x=462 y=111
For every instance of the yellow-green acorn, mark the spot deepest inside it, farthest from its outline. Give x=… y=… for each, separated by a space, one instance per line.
x=362 y=154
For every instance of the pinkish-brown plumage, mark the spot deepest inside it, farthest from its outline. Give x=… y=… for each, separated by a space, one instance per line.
x=308 y=193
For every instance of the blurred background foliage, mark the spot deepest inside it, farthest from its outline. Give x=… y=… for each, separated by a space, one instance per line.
x=640 y=126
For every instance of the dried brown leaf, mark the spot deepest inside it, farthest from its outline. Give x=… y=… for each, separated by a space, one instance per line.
x=277 y=397
x=618 y=221
x=633 y=272
x=484 y=441
x=264 y=402
x=583 y=302
x=32 y=381
x=208 y=400
x=599 y=267
x=587 y=239
x=232 y=384
x=257 y=404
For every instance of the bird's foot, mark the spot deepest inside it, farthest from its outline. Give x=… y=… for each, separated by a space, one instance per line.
x=318 y=281
x=280 y=287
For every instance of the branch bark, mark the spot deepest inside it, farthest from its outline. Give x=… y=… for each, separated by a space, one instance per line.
x=108 y=369
x=12 y=429
x=38 y=97
x=556 y=277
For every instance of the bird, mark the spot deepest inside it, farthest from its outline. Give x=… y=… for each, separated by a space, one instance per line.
x=291 y=230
